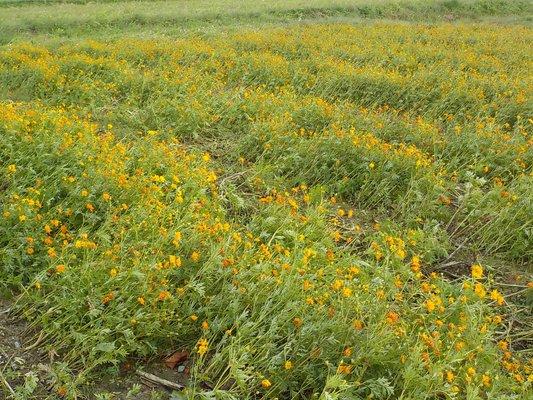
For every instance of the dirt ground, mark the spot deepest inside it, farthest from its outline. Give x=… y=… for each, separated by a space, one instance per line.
x=27 y=371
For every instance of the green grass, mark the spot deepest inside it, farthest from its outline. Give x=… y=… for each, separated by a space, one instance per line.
x=141 y=18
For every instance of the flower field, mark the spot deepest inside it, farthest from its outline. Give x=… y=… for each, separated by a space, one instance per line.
x=322 y=211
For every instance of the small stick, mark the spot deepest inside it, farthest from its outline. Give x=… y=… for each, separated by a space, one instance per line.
x=39 y=339
x=158 y=380
x=7 y=310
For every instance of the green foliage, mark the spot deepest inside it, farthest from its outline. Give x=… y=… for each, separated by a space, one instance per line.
x=276 y=203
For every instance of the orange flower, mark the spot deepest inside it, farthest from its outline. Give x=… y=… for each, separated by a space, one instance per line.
x=62 y=391
x=344 y=369
x=358 y=325
x=108 y=297
x=164 y=295
x=392 y=317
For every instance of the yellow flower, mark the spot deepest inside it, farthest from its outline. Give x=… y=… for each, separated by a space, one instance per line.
x=497 y=297
x=450 y=376
x=203 y=345
x=287 y=365
x=113 y=272
x=485 y=379
x=141 y=300
x=194 y=317
x=479 y=290
x=205 y=325
x=477 y=271
x=297 y=322
x=415 y=264
x=265 y=383
x=174 y=261
x=177 y=239
x=11 y=168
x=106 y=196
x=337 y=284
x=195 y=256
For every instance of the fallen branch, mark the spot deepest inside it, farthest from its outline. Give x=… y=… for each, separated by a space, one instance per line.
x=159 y=381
